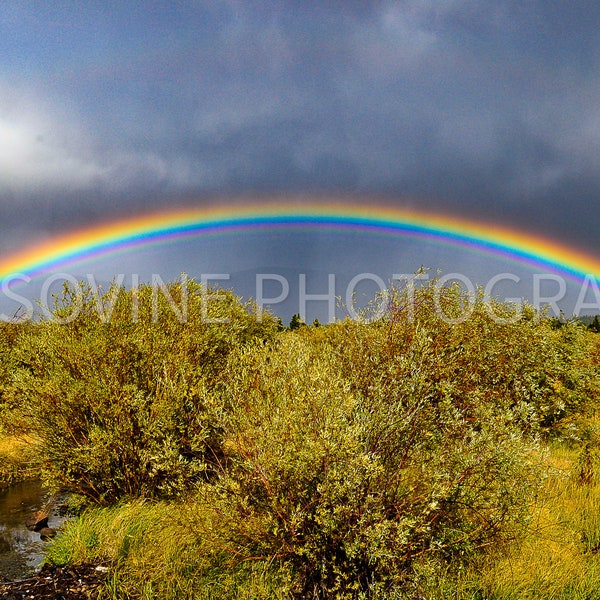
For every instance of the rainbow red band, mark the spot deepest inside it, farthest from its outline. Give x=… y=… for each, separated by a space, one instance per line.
x=164 y=227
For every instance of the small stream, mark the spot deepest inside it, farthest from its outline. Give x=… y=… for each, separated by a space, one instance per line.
x=21 y=550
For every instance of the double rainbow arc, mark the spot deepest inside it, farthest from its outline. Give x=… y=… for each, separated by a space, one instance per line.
x=158 y=228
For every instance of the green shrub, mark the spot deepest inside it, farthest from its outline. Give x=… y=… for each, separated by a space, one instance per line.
x=504 y=354
x=117 y=396
x=345 y=461
x=11 y=422
x=350 y=490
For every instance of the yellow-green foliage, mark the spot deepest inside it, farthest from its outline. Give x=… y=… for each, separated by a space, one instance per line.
x=17 y=460
x=155 y=552
x=497 y=354
x=350 y=488
x=559 y=556
x=117 y=396
x=381 y=460
x=179 y=551
x=11 y=419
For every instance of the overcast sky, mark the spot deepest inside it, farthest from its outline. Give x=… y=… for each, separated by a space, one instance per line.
x=490 y=109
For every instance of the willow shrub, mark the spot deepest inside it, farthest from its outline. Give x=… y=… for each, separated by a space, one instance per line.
x=476 y=349
x=114 y=386
x=362 y=456
x=11 y=333
x=348 y=490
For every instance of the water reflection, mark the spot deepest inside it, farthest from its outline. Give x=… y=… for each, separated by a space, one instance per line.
x=21 y=550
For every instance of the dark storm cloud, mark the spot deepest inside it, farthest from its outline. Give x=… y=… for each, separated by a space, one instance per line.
x=485 y=107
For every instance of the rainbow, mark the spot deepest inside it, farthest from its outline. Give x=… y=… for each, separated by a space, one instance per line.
x=146 y=230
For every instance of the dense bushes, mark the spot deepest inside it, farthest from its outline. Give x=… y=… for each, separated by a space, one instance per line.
x=346 y=458
x=120 y=407
x=350 y=490
x=501 y=355
x=355 y=451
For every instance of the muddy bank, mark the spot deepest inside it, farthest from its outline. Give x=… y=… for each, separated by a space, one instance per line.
x=58 y=583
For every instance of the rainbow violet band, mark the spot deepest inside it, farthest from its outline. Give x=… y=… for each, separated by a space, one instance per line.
x=162 y=227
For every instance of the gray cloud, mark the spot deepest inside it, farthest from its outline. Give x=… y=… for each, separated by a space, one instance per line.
x=483 y=107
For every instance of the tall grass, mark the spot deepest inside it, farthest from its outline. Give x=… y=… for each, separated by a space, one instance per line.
x=16 y=460
x=558 y=559
x=155 y=552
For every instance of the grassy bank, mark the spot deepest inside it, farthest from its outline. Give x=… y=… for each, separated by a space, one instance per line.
x=17 y=460
x=162 y=550
x=155 y=551
x=559 y=557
